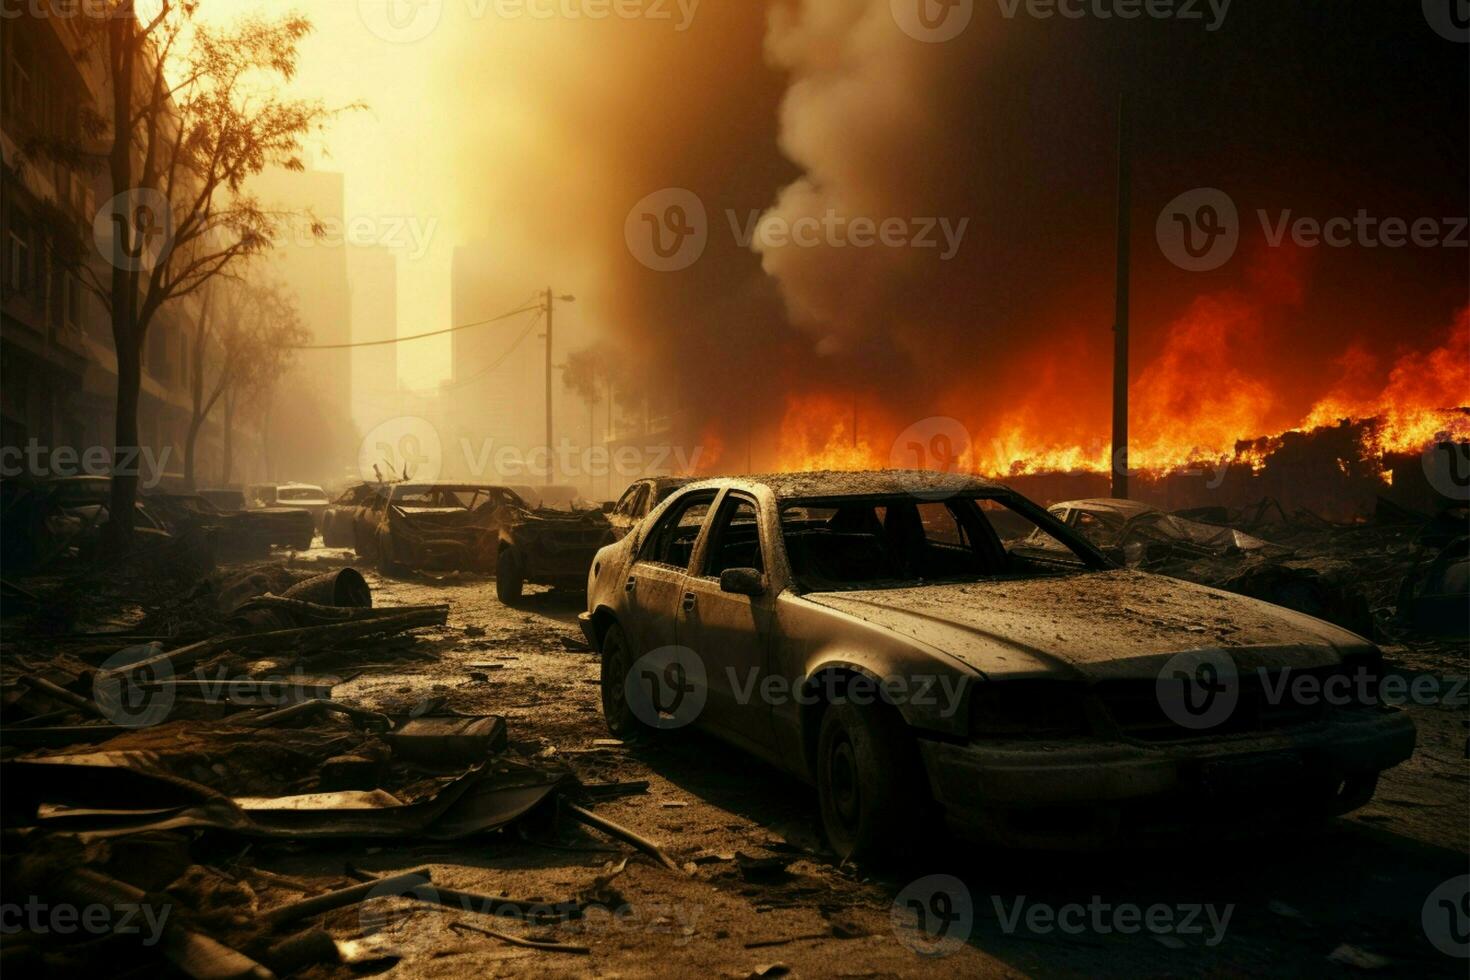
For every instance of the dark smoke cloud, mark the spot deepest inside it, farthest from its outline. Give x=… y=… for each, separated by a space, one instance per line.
x=808 y=108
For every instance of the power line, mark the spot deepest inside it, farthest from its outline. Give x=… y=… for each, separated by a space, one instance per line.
x=421 y=336
x=535 y=322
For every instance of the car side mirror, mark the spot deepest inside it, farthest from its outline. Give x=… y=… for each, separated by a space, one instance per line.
x=609 y=506
x=742 y=581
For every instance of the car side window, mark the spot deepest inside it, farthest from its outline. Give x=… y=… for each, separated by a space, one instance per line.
x=735 y=540
x=671 y=541
x=625 y=502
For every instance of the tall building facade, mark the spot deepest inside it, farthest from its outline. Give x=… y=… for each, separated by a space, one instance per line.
x=58 y=366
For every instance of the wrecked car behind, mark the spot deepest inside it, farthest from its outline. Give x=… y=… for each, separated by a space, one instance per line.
x=482 y=529
x=873 y=634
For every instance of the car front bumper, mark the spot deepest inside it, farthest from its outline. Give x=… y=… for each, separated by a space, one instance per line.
x=1085 y=793
x=584 y=620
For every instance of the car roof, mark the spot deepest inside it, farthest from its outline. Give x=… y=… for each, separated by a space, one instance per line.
x=870 y=483
x=1125 y=508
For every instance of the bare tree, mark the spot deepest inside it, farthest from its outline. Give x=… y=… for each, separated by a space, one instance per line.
x=252 y=330
x=194 y=115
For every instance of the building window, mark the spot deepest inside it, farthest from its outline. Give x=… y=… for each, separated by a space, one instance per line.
x=18 y=260
x=19 y=97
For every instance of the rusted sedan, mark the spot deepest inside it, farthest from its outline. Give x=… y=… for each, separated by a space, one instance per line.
x=876 y=635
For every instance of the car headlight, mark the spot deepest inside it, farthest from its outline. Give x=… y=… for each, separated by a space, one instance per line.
x=1028 y=709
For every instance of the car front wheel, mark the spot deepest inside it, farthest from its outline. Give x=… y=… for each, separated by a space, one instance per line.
x=869 y=781
x=617 y=662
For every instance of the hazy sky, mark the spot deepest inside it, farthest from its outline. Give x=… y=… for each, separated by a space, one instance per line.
x=393 y=154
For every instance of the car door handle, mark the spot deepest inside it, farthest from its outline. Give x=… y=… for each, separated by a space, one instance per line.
x=631 y=584
x=689 y=600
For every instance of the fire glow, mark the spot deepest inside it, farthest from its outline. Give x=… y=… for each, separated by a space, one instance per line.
x=1178 y=424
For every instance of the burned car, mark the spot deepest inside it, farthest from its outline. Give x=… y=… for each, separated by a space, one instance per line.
x=478 y=528
x=546 y=546
x=872 y=634
x=303 y=496
x=249 y=532
x=339 y=518
x=431 y=526
x=639 y=500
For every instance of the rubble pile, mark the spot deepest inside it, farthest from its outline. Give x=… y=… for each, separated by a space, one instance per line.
x=144 y=765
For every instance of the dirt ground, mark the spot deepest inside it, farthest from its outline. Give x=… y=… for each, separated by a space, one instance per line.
x=1355 y=896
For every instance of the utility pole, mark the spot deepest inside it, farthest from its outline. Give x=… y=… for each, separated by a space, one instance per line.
x=551 y=299
x=550 y=448
x=1121 y=309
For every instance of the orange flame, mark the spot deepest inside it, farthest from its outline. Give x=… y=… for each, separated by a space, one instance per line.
x=1192 y=404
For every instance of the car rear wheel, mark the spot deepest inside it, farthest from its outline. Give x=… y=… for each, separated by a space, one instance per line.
x=617 y=661
x=869 y=781
x=509 y=577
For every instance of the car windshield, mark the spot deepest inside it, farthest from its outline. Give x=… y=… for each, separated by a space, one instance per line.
x=300 y=493
x=447 y=497
x=901 y=540
x=75 y=493
x=562 y=498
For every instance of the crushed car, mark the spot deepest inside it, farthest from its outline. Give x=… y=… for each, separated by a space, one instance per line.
x=873 y=634
x=1138 y=535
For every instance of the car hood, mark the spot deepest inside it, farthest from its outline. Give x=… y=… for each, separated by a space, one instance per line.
x=1095 y=625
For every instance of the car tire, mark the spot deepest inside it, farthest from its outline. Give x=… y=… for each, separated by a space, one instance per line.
x=869 y=781
x=617 y=661
x=510 y=581
x=386 y=564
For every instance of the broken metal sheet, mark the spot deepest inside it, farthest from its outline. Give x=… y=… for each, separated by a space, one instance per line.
x=482 y=799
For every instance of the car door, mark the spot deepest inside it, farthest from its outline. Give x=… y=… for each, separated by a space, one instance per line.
x=732 y=634
x=655 y=581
